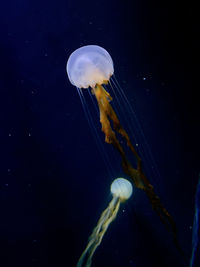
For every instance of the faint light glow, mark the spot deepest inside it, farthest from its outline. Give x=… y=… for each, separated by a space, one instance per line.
x=137 y=144
x=144 y=78
x=9 y=134
x=131 y=262
x=6 y=185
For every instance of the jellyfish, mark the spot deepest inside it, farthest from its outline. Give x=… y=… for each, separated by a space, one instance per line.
x=91 y=67
x=121 y=190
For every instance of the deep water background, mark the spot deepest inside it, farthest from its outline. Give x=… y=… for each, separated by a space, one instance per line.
x=53 y=181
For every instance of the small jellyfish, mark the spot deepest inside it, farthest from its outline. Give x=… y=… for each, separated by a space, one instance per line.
x=121 y=190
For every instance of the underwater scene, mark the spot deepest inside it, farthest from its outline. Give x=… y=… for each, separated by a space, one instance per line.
x=99 y=134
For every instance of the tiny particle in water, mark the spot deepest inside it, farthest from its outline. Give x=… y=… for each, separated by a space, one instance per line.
x=6 y=185
x=29 y=134
x=8 y=170
x=123 y=210
x=46 y=55
x=144 y=78
x=190 y=227
x=136 y=144
x=9 y=134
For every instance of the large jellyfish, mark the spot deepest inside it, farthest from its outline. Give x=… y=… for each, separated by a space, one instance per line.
x=92 y=66
x=121 y=190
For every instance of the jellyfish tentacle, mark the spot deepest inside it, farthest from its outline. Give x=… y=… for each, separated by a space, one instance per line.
x=107 y=216
x=104 y=105
x=107 y=115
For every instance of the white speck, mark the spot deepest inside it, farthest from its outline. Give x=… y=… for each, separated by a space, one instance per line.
x=29 y=134
x=144 y=78
x=123 y=210
x=46 y=55
x=90 y=22
x=9 y=134
x=190 y=227
x=8 y=170
x=136 y=144
x=32 y=92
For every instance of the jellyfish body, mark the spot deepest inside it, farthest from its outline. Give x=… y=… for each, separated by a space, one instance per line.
x=121 y=190
x=89 y=65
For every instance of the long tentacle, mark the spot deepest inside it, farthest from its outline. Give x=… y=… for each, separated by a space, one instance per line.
x=107 y=216
x=107 y=114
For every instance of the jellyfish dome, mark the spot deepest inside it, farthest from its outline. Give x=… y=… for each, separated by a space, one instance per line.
x=121 y=188
x=89 y=65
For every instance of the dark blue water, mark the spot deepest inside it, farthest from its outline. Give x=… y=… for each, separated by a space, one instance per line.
x=53 y=181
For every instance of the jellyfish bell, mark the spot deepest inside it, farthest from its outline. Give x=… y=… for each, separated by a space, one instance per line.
x=89 y=65
x=121 y=188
